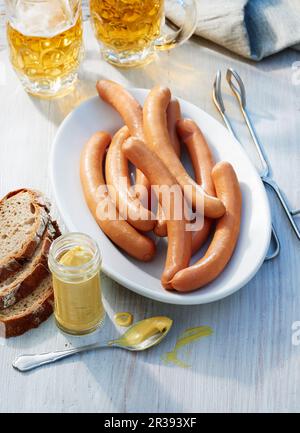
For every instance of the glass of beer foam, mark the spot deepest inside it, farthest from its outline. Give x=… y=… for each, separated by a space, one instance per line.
x=131 y=31
x=45 y=39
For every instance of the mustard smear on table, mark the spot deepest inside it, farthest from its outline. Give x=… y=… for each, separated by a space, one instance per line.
x=189 y=336
x=144 y=330
x=124 y=319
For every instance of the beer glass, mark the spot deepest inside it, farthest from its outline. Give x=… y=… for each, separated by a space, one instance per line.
x=130 y=31
x=45 y=42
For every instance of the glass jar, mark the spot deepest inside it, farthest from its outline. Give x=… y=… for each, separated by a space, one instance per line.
x=75 y=262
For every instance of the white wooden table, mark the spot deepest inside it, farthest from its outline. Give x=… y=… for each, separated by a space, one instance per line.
x=249 y=364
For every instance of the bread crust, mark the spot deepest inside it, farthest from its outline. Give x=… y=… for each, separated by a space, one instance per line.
x=11 y=264
x=19 y=289
x=34 y=280
x=15 y=326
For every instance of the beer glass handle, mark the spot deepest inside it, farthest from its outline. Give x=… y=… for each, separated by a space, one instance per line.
x=171 y=40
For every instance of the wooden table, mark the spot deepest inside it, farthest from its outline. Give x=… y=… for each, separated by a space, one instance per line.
x=249 y=364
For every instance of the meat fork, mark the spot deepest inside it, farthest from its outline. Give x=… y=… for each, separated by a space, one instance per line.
x=219 y=103
x=237 y=86
x=241 y=96
x=240 y=93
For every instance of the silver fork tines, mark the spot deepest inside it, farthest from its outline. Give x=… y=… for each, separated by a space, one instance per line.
x=218 y=100
x=219 y=103
x=239 y=92
x=237 y=86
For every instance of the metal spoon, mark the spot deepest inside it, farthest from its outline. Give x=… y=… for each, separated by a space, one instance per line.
x=30 y=362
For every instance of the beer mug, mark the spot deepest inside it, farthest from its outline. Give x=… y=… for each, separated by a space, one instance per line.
x=130 y=31
x=46 y=44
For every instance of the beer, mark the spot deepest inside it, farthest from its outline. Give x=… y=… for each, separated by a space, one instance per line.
x=46 y=46
x=127 y=26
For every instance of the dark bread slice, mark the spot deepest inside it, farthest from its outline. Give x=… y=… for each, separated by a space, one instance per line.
x=28 y=313
x=24 y=282
x=24 y=216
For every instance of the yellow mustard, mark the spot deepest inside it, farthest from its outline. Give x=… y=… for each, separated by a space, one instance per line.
x=187 y=337
x=124 y=319
x=145 y=329
x=77 y=256
x=74 y=260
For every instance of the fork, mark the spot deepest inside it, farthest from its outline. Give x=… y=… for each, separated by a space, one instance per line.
x=237 y=86
x=241 y=96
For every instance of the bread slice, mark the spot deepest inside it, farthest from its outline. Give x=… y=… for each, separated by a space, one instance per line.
x=28 y=313
x=24 y=281
x=24 y=216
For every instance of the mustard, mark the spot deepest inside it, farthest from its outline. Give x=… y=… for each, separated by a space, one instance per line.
x=74 y=260
x=77 y=256
x=123 y=319
x=145 y=329
x=187 y=337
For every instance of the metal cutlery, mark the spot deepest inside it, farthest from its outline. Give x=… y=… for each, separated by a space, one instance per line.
x=237 y=86
x=30 y=362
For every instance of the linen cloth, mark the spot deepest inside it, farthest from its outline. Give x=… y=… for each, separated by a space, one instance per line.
x=251 y=28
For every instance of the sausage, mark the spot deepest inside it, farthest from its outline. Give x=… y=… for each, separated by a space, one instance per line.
x=225 y=238
x=157 y=138
x=203 y=163
x=132 y=114
x=160 y=228
x=179 y=239
x=117 y=179
x=118 y=230
x=199 y=237
x=173 y=115
x=200 y=153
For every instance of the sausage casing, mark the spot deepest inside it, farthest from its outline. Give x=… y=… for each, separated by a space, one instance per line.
x=118 y=230
x=157 y=138
x=179 y=239
x=118 y=181
x=225 y=238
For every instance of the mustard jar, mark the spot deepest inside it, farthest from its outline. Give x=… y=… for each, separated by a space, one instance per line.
x=75 y=262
